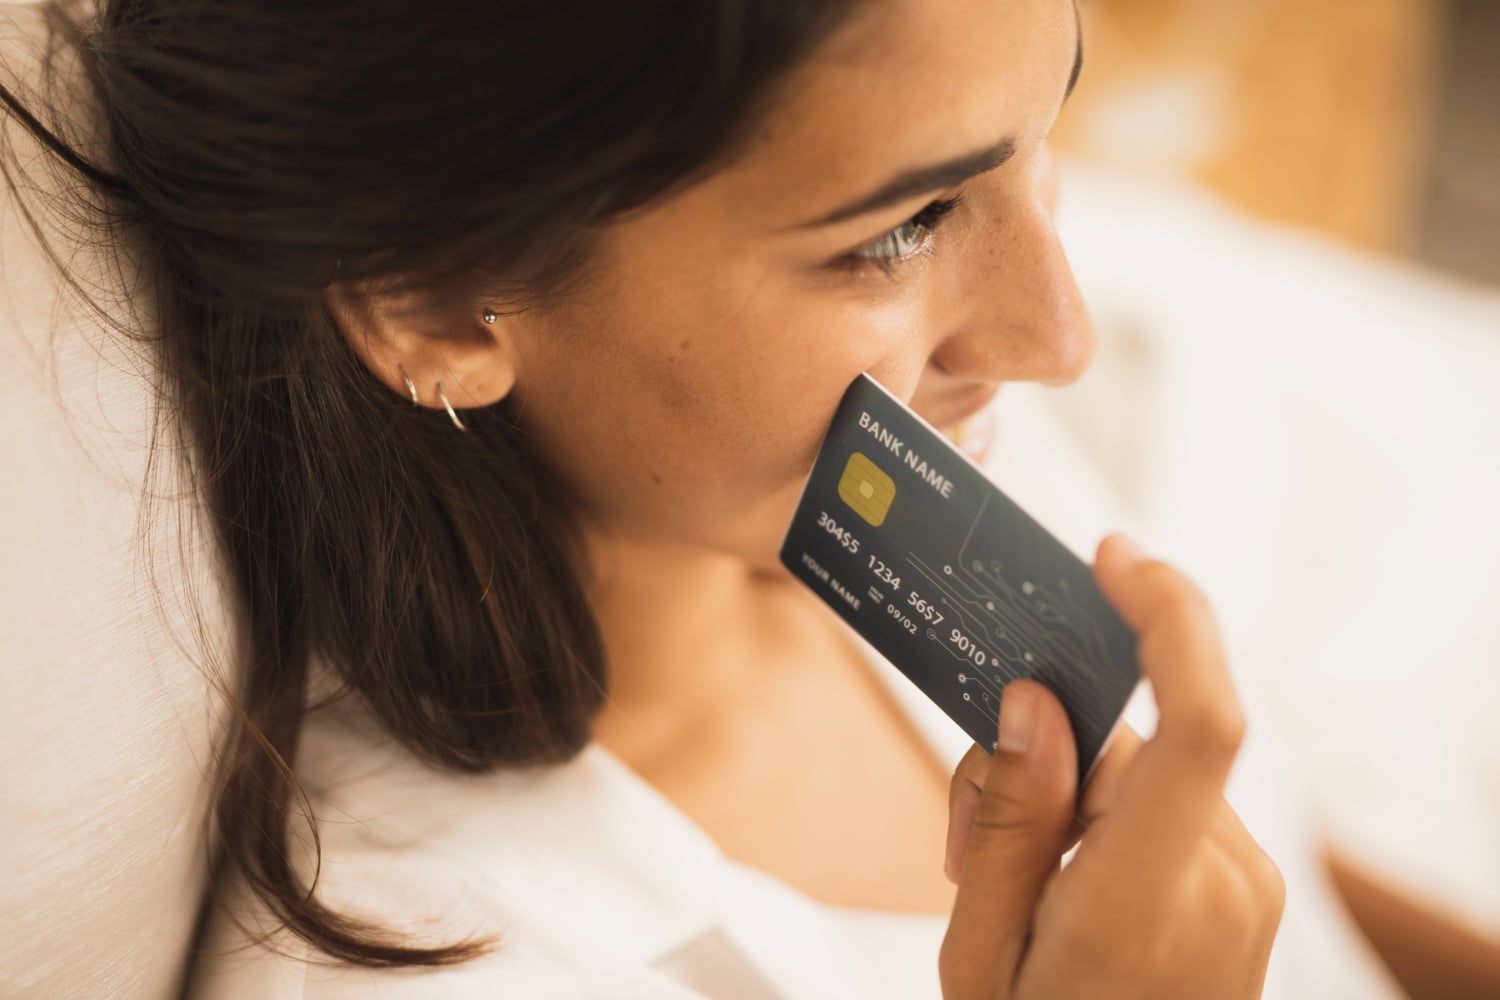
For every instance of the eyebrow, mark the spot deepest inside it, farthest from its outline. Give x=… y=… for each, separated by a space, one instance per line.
x=940 y=175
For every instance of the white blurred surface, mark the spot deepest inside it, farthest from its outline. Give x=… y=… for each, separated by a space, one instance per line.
x=105 y=715
x=1314 y=435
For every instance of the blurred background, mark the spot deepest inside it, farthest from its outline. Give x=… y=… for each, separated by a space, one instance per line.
x=1285 y=218
x=1373 y=121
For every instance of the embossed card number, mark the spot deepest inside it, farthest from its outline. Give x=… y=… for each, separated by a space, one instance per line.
x=905 y=538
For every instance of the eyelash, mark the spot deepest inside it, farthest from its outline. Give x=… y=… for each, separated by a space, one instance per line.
x=924 y=224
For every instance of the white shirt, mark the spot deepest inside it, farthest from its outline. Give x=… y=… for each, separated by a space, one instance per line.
x=603 y=888
x=600 y=885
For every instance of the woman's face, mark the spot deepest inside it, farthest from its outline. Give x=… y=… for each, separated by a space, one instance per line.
x=685 y=388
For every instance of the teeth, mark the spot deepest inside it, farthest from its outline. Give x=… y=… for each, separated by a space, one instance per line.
x=972 y=436
x=961 y=431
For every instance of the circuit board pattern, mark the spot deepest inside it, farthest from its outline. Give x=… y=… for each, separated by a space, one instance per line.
x=957 y=586
x=1026 y=629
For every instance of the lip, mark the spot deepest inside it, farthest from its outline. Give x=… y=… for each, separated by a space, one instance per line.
x=958 y=416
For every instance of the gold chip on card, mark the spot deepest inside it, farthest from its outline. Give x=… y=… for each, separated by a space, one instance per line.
x=866 y=489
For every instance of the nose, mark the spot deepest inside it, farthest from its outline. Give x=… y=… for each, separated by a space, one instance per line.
x=1014 y=312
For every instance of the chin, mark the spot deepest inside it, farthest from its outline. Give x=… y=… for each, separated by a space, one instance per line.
x=769 y=568
x=760 y=550
x=757 y=546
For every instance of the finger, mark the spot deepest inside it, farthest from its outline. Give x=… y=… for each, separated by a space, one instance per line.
x=1093 y=802
x=1103 y=785
x=1226 y=831
x=969 y=776
x=1173 y=788
x=1109 y=774
x=1014 y=839
x=963 y=800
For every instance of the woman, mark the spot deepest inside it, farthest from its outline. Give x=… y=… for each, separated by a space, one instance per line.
x=505 y=335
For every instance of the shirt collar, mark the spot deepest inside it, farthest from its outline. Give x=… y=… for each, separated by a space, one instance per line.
x=584 y=853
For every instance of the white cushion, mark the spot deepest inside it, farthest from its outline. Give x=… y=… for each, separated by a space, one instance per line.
x=104 y=705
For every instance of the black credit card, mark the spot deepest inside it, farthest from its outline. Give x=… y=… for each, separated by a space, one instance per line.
x=910 y=543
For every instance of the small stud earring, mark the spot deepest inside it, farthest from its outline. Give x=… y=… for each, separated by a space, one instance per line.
x=489 y=315
x=449 y=407
x=411 y=387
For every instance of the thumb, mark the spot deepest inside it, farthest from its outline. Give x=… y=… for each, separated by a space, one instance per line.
x=1015 y=841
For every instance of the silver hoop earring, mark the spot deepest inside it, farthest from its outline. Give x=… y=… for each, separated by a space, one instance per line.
x=489 y=315
x=411 y=386
x=449 y=407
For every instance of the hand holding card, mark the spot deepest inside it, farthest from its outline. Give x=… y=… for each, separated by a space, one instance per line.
x=1169 y=895
x=907 y=540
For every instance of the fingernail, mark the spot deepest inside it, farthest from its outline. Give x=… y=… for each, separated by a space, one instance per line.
x=1017 y=720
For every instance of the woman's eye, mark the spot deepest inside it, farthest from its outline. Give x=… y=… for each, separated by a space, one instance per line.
x=907 y=239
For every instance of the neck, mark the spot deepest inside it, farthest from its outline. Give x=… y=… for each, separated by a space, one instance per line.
x=686 y=632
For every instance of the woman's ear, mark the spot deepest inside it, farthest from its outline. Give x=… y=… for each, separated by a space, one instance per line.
x=466 y=354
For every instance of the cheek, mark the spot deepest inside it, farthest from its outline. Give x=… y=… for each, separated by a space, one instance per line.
x=783 y=368
x=693 y=414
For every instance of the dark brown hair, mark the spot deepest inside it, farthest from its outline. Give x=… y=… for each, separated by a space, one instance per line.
x=252 y=152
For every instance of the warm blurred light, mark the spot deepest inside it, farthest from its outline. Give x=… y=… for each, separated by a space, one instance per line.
x=1462 y=200
x=1320 y=114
